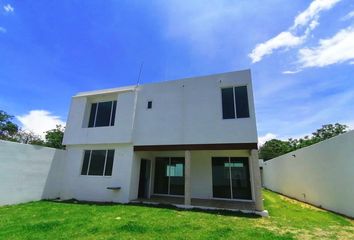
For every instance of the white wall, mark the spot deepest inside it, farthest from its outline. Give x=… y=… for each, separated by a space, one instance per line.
x=185 y=111
x=77 y=131
x=94 y=188
x=321 y=174
x=29 y=172
x=189 y=111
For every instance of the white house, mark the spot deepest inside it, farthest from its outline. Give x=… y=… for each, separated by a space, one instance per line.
x=187 y=142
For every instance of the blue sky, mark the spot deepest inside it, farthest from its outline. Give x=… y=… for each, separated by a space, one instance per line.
x=301 y=54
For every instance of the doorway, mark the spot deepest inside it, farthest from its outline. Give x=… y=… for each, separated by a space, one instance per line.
x=169 y=176
x=231 y=178
x=144 y=179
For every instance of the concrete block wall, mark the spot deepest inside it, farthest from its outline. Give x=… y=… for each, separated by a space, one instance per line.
x=29 y=172
x=321 y=174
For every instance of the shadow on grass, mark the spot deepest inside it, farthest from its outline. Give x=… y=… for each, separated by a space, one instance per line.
x=161 y=206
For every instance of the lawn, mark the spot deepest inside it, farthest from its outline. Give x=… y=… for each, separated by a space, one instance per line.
x=52 y=220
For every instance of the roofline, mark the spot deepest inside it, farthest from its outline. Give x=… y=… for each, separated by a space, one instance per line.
x=105 y=91
x=133 y=88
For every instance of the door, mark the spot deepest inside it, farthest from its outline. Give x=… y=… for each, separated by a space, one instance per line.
x=231 y=178
x=144 y=179
x=169 y=176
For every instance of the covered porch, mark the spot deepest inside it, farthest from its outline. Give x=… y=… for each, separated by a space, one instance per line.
x=212 y=176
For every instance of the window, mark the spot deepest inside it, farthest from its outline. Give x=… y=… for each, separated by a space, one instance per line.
x=235 y=100
x=231 y=178
x=102 y=114
x=149 y=104
x=97 y=162
x=241 y=99
x=169 y=175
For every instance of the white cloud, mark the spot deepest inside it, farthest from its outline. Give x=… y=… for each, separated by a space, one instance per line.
x=39 y=121
x=3 y=30
x=337 y=49
x=283 y=39
x=267 y=137
x=291 y=72
x=348 y=16
x=312 y=12
x=8 y=8
x=287 y=39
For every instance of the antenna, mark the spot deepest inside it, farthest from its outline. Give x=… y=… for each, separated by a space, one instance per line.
x=141 y=69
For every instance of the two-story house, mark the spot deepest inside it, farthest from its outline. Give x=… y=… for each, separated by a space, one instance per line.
x=189 y=142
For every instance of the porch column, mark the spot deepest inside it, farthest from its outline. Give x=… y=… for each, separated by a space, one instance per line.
x=187 y=178
x=256 y=180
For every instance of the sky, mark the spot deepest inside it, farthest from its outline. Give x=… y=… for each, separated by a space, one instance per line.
x=301 y=54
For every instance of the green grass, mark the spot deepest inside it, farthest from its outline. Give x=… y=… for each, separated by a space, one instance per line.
x=51 y=220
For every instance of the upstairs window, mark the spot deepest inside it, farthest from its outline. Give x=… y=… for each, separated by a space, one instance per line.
x=235 y=102
x=97 y=162
x=102 y=114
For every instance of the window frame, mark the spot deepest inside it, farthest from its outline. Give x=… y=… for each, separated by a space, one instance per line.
x=89 y=163
x=234 y=102
x=112 y=116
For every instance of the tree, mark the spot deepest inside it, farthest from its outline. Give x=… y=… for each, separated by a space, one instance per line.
x=275 y=147
x=8 y=129
x=54 y=137
x=28 y=137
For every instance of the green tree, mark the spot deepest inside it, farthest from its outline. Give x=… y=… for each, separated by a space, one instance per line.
x=8 y=129
x=28 y=137
x=54 y=137
x=275 y=147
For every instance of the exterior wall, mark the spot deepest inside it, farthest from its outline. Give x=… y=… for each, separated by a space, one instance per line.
x=189 y=111
x=186 y=111
x=77 y=132
x=29 y=173
x=321 y=174
x=201 y=169
x=94 y=188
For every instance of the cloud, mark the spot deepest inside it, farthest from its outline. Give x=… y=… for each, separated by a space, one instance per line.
x=337 y=49
x=282 y=40
x=267 y=137
x=289 y=38
x=3 y=30
x=39 y=121
x=291 y=71
x=8 y=8
x=348 y=16
x=313 y=11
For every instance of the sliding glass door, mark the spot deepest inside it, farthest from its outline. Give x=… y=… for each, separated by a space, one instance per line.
x=169 y=175
x=231 y=178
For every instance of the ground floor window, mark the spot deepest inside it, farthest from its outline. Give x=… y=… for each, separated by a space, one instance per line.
x=97 y=162
x=169 y=175
x=231 y=178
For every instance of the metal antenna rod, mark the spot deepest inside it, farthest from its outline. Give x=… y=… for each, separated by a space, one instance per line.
x=141 y=68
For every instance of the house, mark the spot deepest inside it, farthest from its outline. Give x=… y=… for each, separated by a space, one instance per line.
x=188 y=142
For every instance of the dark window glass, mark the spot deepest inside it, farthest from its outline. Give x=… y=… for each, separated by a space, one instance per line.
x=97 y=162
x=161 y=177
x=85 y=163
x=241 y=99
x=103 y=114
x=175 y=171
x=149 y=104
x=109 y=163
x=113 y=113
x=221 y=177
x=240 y=175
x=92 y=114
x=228 y=107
